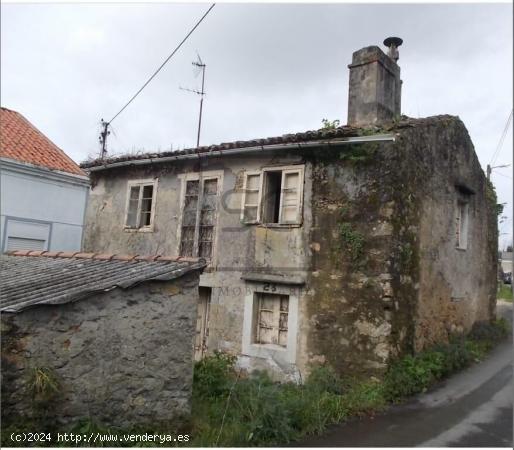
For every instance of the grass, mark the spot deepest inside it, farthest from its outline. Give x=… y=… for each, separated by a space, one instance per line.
x=230 y=409
x=505 y=292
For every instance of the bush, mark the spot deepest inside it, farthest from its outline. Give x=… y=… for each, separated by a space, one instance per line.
x=214 y=375
x=414 y=374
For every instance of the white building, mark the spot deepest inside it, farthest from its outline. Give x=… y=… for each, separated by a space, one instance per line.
x=43 y=193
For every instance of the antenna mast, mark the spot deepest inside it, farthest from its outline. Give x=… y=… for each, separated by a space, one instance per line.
x=201 y=93
x=103 y=138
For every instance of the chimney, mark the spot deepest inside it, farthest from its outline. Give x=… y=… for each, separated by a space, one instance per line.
x=375 y=87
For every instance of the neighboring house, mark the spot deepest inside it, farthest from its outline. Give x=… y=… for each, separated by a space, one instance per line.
x=506 y=262
x=113 y=333
x=43 y=192
x=347 y=246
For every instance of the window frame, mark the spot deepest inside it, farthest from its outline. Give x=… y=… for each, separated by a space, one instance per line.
x=244 y=205
x=285 y=170
x=201 y=177
x=462 y=226
x=249 y=346
x=141 y=183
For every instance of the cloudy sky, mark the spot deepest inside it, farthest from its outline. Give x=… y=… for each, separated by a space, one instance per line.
x=271 y=69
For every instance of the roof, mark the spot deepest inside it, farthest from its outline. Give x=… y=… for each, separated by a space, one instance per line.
x=306 y=137
x=31 y=278
x=22 y=141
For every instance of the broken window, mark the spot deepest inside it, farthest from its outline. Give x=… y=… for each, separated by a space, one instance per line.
x=271 y=324
x=140 y=204
x=462 y=224
x=199 y=218
x=274 y=198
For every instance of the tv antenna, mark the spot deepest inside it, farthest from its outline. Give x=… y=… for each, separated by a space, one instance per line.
x=200 y=67
x=103 y=138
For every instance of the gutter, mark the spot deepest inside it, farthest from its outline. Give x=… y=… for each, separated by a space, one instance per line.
x=24 y=168
x=243 y=150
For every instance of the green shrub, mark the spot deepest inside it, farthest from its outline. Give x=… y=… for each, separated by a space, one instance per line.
x=325 y=378
x=213 y=375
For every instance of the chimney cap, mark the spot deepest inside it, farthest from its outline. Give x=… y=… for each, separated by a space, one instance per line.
x=393 y=41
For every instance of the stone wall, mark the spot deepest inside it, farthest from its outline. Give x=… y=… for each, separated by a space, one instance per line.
x=387 y=278
x=457 y=286
x=122 y=357
x=362 y=292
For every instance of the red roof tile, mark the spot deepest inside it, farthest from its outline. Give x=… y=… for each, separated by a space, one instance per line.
x=22 y=141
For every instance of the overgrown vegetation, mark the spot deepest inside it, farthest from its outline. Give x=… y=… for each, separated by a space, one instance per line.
x=351 y=241
x=256 y=411
x=234 y=410
x=330 y=124
x=360 y=153
x=43 y=384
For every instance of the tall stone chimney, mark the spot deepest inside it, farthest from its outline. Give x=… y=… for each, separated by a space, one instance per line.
x=375 y=86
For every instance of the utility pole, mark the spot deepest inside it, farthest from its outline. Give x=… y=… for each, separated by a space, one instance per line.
x=490 y=169
x=201 y=93
x=103 y=138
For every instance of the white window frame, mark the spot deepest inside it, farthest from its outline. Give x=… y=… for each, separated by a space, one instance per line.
x=201 y=177
x=259 y=190
x=300 y=169
x=141 y=183
x=276 y=352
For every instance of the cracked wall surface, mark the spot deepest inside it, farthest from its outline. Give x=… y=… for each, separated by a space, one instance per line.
x=379 y=272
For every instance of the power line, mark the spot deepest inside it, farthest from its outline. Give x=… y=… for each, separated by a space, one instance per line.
x=502 y=139
x=164 y=63
x=503 y=175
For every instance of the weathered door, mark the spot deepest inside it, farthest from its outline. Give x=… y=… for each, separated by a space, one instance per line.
x=202 y=323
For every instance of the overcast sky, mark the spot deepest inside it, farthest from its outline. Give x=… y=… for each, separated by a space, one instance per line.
x=271 y=69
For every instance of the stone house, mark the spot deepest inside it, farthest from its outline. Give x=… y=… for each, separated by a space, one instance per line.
x=346 y=245
x=43 y=192
x=105 y=336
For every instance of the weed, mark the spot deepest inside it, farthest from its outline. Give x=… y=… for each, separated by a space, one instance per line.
x=353 y=241
x=330 y=124
x=43 y=384
x=212 y=376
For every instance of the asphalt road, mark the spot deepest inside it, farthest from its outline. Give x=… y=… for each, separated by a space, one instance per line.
x=471 y=409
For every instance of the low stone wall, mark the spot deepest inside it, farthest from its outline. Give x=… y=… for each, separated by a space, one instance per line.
x=122 y=358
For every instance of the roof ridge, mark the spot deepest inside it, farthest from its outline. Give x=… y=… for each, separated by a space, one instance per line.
x=104 y=256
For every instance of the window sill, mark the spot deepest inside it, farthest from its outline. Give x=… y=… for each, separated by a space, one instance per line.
x=273 y=347
x=138 y=230
x=461 y=249
x=279 y=225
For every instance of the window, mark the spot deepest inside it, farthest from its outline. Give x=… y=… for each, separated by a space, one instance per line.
x=140 y=204
x=462 y=224
x=199 y=217
x=250 y=213
x=275 y=197
x=270 y=321
x=272 y=313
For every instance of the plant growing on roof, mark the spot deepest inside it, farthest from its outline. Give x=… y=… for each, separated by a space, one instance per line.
x=330 y=124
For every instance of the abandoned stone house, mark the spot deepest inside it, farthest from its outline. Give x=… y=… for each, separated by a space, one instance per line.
x=347 y=245
x=97 y=335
